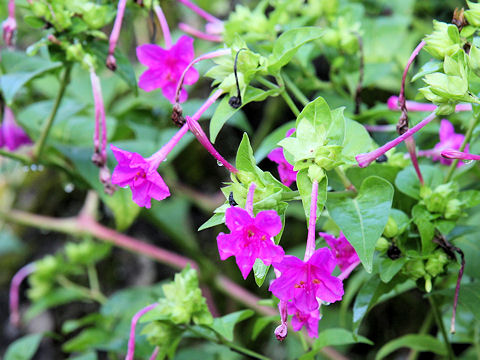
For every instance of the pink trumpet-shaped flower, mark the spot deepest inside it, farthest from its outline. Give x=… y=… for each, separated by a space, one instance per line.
x=281 y=331
x=250 y=238
x=305 y=281
x=141 y=174
x=133 y=325
x=165 y=67
x=15 y=292
x=341 y=250
x=455 y=154
x=308 y=319
x=11 y=134
x=285 y=169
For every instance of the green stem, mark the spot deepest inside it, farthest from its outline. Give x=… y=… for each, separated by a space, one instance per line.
x=468 y=137
x=299 y=95
x=292 y=195
x=222 y=341
x=345 y=180
x=90 y=294
x=93 y=278
x=15 y=156
x=286 y=96
x=37 y=152
x=441 y=326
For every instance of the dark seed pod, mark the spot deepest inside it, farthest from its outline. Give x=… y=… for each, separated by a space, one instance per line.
x=231 y=200
x=394 y=252
x=381 y=159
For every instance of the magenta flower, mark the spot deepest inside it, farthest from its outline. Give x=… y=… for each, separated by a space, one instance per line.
x=140 y=175
x=11 y=135
x=341 y=250
x=305 y=281
x=165 y=67
x=285 y=169
x=455 y=154
x=308 y=319
x=250 y=238
x=448 y=140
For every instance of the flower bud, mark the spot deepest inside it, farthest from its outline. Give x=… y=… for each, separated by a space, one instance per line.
x=435 y=203
x=246 y=177
x=331 y=38
x=391 y=229
x=327 y=156
x=436 y=263
x=315 y=172
x=425 y=191
x=453 y=209
x=473 y=14
x=428 y=283
x=443 y=41
x=382 y=245
x=415 y=269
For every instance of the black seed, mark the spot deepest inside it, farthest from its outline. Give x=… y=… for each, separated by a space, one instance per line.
x=382 y=158
x=231 y=200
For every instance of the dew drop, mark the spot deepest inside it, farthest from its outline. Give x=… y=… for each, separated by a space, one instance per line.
x=33 y=167
x=26 y=169
x=68 y=188
x=468 y=161
x=40 y=167
x=219 y=163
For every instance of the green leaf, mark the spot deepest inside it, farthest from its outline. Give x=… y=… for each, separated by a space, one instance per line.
x=422 y=218
x=20 y=69
x=224 y=111
x=54 y=298
x=407 y=180
x=304 y=185
x=91 y=355
x=287 y=44
x=417 y=342
x=363 y=219
x=215 y=220
x=23 y=348
x=124 y=67
x=389 y=268
x=428 y=68
x=261 y=323
x=224 y=325
x=334 y=337
x=357 y=141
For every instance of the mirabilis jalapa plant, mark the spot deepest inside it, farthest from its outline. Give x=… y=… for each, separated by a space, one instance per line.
x=399 y=227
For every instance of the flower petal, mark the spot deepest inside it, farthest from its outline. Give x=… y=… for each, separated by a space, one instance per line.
x=268 y=221
x=446 y=130
x=237 y=218
x=151 y=55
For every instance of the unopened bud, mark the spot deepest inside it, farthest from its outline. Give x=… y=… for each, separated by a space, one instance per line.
x=281 y=332
x=382 y=245
x=453 y=210
x=391 y=229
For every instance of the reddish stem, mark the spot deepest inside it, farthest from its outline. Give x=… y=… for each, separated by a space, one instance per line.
x=457 y=291
x=401 y=96
x=161 y=154
x=207 y=16
x=111 y=62
x=164 y=25
x=15 y=292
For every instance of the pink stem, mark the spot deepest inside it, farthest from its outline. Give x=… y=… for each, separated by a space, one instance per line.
x=199 y=34
x=199 y=11
x=380 y=128
x=9 y=26
x=365 y=159
x=111 y=62
x=207 y=104
x=206 y=56
x=429 y=153
x=15 y=292
x=155 y=353
x=249 y=203
x=131 y=340
x=405 y=72
x=393 y=104
x=457 y=291
x=412 y=150
x=161 y=154
x=99 y=118
x=345 y=273
x=164 y=25
x=310 y=248
x=454 y=154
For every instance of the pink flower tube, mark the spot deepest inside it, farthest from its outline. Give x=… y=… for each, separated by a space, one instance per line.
x=15 y=292
x=455 y=154
x=131 y=340
x=393 y=104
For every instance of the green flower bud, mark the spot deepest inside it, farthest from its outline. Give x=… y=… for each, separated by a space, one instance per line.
x=382 y=245
x=445 y=40
x=75 y=52
x=425 y=191
x=39 y=9
x=415 y=269
x=435 y=203
x=246 y=177
x=473 y=14
x=474 y=60
x=436 y=263
x=331 y=38
x=328 y=156
x=428 y=283
x=391 y=229
x=315 y=172
x=453 y=209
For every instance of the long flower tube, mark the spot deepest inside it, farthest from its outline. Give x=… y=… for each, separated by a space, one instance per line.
x=204 y=14
x=393 y=104
x=15 y=292
x=455 y=154
x=365 y=159
x=131 y=339
x=112 y=42
x=206 y=56
x=416 y=51
x=249 y=202
x=199 y=34
x=164 y=25
x=9 y=26
x=310 y=248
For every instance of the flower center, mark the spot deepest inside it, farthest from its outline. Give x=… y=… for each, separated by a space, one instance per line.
x=140 y=174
